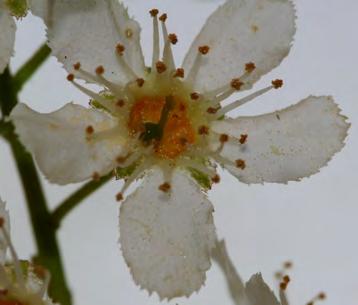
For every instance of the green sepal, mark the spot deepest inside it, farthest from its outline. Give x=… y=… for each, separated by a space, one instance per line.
x=97 y=105
x=124 y=172
x=202 y=179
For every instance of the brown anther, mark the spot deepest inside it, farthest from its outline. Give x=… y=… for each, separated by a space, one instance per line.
x=310 y=303
x=119 y=197
x=120 y=103
x=96 y=176
x=163 y=17
x=215 y=179
x=249 y=67
x=120 y=49
x=173 y=38
x=140 y=82
x=99 y=70
x=194 y=96
x=212 y=110
x=204 y=49
x=236 y=84
x=322 y=296
x=179 y=73
x=89 y=130
x=277 y=83
x=77 y=66
x=224 y=138
x=240 y=164
x=121 y=159
x=154 y=12
x=161 y=67
x=283 y=286
x=287 y=265
x=2 y=221
x=286 y=279
x=203 y=130
x=243 y=138
x=70 y=77
x=165 y=187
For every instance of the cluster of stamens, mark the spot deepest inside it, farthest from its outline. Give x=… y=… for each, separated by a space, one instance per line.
x=164 y=68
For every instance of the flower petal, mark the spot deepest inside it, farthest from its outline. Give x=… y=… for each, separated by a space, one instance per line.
x=239 y=32
x=166 y=238
x=4 y=214
x=7 y=37
x=87 y=31
x=258 y=293
x=235 y=284
x=59 y=142
x=285 y=145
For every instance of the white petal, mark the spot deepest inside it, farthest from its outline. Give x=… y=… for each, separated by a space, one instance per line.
x=58 y=141
x=87 y=31
x=285 y=145
x=3 y=244
x=239 y=32
x=236 y=286
x=166 y=238
x=7 y=37
x=258 y=293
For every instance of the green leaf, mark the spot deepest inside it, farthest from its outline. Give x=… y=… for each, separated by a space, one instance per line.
x=203 y=179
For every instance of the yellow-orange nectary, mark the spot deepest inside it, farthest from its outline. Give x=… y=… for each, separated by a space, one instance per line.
x=177 y=131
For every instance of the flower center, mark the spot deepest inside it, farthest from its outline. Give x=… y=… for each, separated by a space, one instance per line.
x=164 y=123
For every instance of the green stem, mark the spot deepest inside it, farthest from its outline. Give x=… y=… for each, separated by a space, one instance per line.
x=75 y=199
x=30 y=67
x=44 y=230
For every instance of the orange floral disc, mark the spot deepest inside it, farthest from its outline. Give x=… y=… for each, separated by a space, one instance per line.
x=176 y=130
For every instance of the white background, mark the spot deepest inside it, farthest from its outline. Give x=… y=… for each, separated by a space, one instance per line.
x=313 y=222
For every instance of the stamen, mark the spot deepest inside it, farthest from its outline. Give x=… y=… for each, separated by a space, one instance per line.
x=243 y=138
x=120 y=103
x=215 y=179
x=163 y=17
x=277 y=83
x=249 y=67
x=156 y=44
x=194 y=96
x=16 y=263
x=203 y=130
x=168 y=57
x=161 y=67
x=224 y=138
x=243 y=101
x=127 y=69
x=119 y=197
x=93 y=95
x=213 y=110
x=89 y=130
x=165 y=187
x=140 y=82
x=179 y=73
x=202 y=51
x=98 y=78
x=240 y=164
x=120 y=49
x=173 y=38
x=320 y=297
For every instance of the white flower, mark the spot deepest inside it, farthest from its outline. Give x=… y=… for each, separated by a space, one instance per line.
x=255 y=291
x=21 y=282
x=165 y=124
